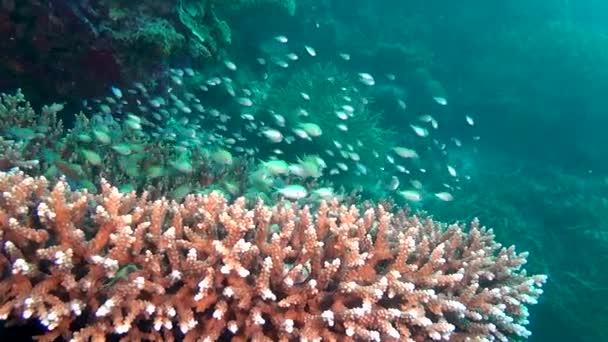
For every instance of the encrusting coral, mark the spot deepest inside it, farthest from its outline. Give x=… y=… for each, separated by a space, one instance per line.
x=90 y=266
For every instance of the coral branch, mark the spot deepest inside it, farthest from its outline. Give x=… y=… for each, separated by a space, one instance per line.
x=90 y=266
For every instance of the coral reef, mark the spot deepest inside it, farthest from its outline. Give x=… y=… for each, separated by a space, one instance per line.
x=155 y=36
x=89 y=266
x=54 y=51
x=200 y=18
x=25 y=135
x=115 y=148
x=75 y=49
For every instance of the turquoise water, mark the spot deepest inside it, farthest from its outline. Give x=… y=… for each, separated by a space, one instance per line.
x=458 y=109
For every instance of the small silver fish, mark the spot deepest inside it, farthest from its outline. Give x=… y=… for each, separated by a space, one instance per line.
x=281 y=39
x=311 y=51
x=366 y=79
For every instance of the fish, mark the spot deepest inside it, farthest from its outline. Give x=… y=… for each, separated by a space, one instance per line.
x=297 y=170
x=244 y=101
x=22 y=133
x=177 y=80
x=276 y=166
x=302 y=112
x=281 y=39
x=85 y=138
x=214 y=81
x=312 y=129
x=273 y=135
x=279 y=120
x=155 y=171
x=293 y=192
x=452 y=171
x=440 y=100
x=102 y=136
x=342 y=127
x=311 y=51
x=281 y=63
x=341 y=115
x=420 y=131
x=122 y=149
x=444 y=196
x=405 y=152
x=105 y=109
x=366 y=79
x=393 y=184
x=470 y=120
x=301 y=133
x=117 y=92
x=342 y=166
x=416 y=184
x=401 y=104
x=411 y=195
x=182 y=164
x=157 y=102
x=92 y=157
x=402 y=169
x=222 y=156
x=362 y=169
x=349 y=109
x=345 y=56
x=230 y=65
x=324 y=193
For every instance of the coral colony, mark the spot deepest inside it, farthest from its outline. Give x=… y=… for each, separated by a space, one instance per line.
x=90 y=266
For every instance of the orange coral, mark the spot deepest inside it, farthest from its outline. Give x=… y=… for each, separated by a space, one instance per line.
x=90 y=266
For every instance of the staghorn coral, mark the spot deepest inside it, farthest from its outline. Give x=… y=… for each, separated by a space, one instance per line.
x=91 y=266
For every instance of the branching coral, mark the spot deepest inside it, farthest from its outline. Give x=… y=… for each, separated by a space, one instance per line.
x=90 y=266
x=111 y=147
x=25 y=134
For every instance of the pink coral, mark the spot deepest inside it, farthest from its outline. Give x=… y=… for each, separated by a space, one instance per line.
x=88 y=266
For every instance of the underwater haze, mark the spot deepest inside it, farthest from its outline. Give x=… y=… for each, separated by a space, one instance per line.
x=453 y=110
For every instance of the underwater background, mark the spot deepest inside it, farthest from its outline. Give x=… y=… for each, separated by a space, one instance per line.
x=462 y=110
